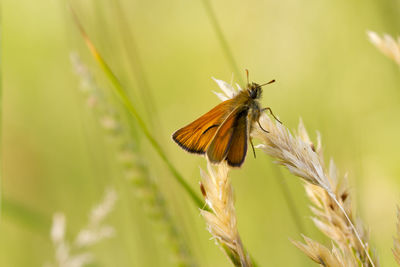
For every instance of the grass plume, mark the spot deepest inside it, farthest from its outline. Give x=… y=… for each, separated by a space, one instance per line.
x=324 y=256
x=74 y=254
x=331 y=199
x=221 y=220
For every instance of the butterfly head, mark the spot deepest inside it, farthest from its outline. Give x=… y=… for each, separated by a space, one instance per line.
x=254 y=90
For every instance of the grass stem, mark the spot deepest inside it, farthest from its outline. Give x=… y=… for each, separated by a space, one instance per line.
x=26 y=216
x=222 y=40
x=280 y=179
x=119 y=90
x=332 y=195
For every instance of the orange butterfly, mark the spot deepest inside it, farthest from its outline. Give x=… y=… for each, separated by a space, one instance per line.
x=222 y=133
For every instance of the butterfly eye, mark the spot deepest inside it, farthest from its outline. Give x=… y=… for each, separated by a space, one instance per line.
x=254 y=92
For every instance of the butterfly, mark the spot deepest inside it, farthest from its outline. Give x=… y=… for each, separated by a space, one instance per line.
x=223 y=132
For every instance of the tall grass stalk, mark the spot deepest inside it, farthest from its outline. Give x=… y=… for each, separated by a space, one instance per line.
x=26 y=216
x=120 y=92
x=333 y=211
x=281 y=181
x=222 y=40
x=136 y=64
x=134 y=167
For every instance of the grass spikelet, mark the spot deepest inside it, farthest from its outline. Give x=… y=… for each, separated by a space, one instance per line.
x=95 y=231
x=331 y=199
x=320 y=254
x=221 y=220
x=387 y=45
x=73 y=254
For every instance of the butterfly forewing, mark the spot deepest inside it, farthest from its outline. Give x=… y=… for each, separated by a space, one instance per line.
x=197 y=136
x=226 y=136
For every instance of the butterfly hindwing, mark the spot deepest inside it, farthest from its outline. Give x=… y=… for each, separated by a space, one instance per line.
x=238 y=148
x=197 y=136
x=230 y=133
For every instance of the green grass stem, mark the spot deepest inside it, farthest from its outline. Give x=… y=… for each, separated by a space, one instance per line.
x=222 y=40
x=25 y=216
x=119 y=90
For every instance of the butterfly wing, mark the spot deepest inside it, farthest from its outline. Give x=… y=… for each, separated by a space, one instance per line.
x=238 y=148
x=230 y=133
x=197 y=136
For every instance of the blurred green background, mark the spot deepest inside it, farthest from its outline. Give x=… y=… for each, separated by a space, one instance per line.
x=56 y=157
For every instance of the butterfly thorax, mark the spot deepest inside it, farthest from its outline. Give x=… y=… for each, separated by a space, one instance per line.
x=249 y=98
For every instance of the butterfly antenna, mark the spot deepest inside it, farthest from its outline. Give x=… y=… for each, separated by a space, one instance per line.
x=247 y=75
x=271 y=81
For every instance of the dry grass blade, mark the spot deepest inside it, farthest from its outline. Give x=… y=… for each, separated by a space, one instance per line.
x=387 y=45
x=331 y=199
x=221 y=220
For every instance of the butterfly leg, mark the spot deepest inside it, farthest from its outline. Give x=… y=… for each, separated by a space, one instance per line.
x=252 y=146
x=270 y=111
x=262 y=127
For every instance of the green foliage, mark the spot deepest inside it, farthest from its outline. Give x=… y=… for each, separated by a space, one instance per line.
x=56 y=157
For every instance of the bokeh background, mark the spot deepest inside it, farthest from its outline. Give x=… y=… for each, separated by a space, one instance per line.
x=56 y=157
